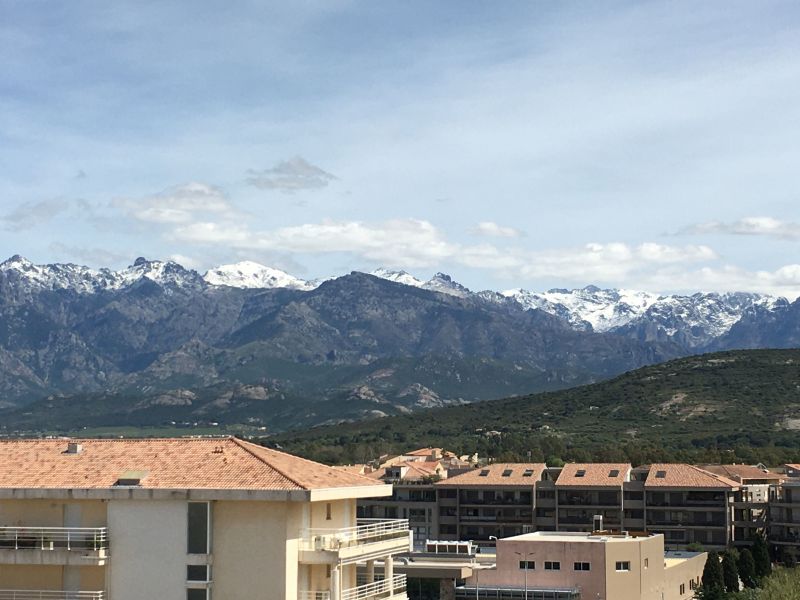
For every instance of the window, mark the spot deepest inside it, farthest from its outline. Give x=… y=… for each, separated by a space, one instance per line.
x=580 y=472
x=198 y=573
x=507 y=473
x=197 y=528
x=529 y=565
x=527 y=473
x=328 y=571
x=646 y=563
x=484 y=473
x=683 y=589
x=582 y=566
x=552 y=565
x=613 y=473
x=328 y=511
x=623 y=565
x=197 y=594
x=661 y=474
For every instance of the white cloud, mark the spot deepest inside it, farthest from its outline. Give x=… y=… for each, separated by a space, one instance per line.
x=30 y=214
x=179 y=204
x=783 y=281
x=765 y=226
x=289 y=176
x=492 y=229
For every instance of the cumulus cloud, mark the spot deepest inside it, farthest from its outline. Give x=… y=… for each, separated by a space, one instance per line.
x=492 y=229
x=30 y=214
x=100 y=257
x=290 y=176
x=179 y=204
x=764 y=226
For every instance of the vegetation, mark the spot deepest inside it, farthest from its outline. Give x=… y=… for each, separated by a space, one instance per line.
x=738 y=406
x=782 y=584
x=730 y=572
x=713 y=581
x=747 y=568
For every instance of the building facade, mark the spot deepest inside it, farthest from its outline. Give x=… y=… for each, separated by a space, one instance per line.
x=183 y=519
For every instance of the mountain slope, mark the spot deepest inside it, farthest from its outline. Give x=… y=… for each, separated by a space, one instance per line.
x=747 y=397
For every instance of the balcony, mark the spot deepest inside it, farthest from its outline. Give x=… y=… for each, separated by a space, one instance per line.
x=378 y=590
x=371 y=538
x=53 y=545
x=49 y=595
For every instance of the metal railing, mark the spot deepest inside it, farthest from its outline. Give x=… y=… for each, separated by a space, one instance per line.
x=49 y=595
x=54 y=538
x=366 y=532
x=376 y=590
x=306 y=595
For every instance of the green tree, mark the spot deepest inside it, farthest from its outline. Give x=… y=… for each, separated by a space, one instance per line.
x=783 y=584
x=761 y=557
x=730 y=572
x=747 y=568
x=713 y=587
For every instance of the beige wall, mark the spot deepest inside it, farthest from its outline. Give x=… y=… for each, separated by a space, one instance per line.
x=52 y=513
x=640 y=583
x=27 y=577
x=148 y=546
x=683 y=573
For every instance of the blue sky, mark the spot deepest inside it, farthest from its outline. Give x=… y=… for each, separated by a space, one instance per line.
x=511 y=144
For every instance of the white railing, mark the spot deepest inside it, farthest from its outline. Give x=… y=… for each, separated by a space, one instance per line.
x=49 y=595
x=376 y=590
x=305 y=595
x=53 y=538
x=366 y=532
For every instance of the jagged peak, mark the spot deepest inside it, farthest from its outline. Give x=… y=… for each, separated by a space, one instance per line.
x=252 y=275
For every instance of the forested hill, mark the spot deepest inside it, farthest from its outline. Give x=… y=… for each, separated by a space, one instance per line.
x=739 y=405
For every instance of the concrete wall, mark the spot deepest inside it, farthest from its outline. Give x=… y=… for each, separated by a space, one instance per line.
x=31 y=577
x=148 y=544
x=682 y=573
x=52 y=513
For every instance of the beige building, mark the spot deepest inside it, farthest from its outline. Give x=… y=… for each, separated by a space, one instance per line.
x=181 y=519
x=586 y=566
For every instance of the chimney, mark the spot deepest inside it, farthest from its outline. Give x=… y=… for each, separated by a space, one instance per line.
x=74 y=448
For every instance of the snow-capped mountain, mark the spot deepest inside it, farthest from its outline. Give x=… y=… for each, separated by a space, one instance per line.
x=84 y=280
x=252 y=275
x=441 y=282
x=398 y=277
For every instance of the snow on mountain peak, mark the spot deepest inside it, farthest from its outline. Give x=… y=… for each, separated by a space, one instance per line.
x=397 y=276
x=252 y=275
x=443 y=283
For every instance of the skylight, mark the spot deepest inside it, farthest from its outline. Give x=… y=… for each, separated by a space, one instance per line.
x=661 y=474
x=484 y=472
x=580 y=472
x=613 y=473
x=507 y=473
x=528 y=473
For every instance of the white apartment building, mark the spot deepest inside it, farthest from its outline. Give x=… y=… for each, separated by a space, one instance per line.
x=182 y=519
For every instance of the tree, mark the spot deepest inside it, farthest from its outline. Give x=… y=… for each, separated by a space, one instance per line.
x=783 y=584
x=747 y=568
x=730 y=572
x=713 y=587
x=761 y=557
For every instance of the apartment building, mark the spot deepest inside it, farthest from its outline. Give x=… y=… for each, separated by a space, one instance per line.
x=784 y=519
x=590 y=496
x=494 y=501
x=588 y=566
x=180 y=519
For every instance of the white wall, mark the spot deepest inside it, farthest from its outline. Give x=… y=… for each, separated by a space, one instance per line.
x=148 y=549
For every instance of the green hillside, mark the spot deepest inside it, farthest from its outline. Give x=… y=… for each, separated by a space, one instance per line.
x=728 y=406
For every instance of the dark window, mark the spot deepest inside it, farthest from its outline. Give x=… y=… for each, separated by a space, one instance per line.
x=528 y=473
x=507 y=473
x=552 y=565
x=198 y=528
x=661 y=474
x=196 y=594
x=613 y=473
x=623 y=565
x=484 y=472
x=582 y=566
x=197 y=573
x=530 y=565
x=580 y=472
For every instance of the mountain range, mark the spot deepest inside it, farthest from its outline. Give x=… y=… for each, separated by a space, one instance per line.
x=246 y=343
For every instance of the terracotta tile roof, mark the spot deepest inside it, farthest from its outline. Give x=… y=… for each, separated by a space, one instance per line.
x=184 y=463
x=594 y=474
x=498 y=474
x=415 y=470
x=742 y=473
x=685 y=476
x=424 y=452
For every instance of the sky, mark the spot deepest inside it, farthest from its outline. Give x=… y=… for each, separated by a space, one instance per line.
x=645 y=145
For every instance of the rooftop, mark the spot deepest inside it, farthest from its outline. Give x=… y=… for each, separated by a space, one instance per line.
x=577 y=536
x=182 y=463
x=685 y=476
x=499 y=474
x=742 y=473
x=594 y=474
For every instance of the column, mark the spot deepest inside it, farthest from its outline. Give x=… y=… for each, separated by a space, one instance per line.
x=336 y=592
x=447 y=589
x=388 y=573
x=370 y=571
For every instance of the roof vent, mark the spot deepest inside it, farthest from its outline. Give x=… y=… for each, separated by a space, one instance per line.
x=131 y=478
x=74 y=448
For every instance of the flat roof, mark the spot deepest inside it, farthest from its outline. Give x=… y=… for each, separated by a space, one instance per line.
x=577 y=536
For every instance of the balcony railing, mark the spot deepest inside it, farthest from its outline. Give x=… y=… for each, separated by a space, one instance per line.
x=306 y=595
x=49 y=595
x=53 y=538
x=367 y=531
x=377 y=589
